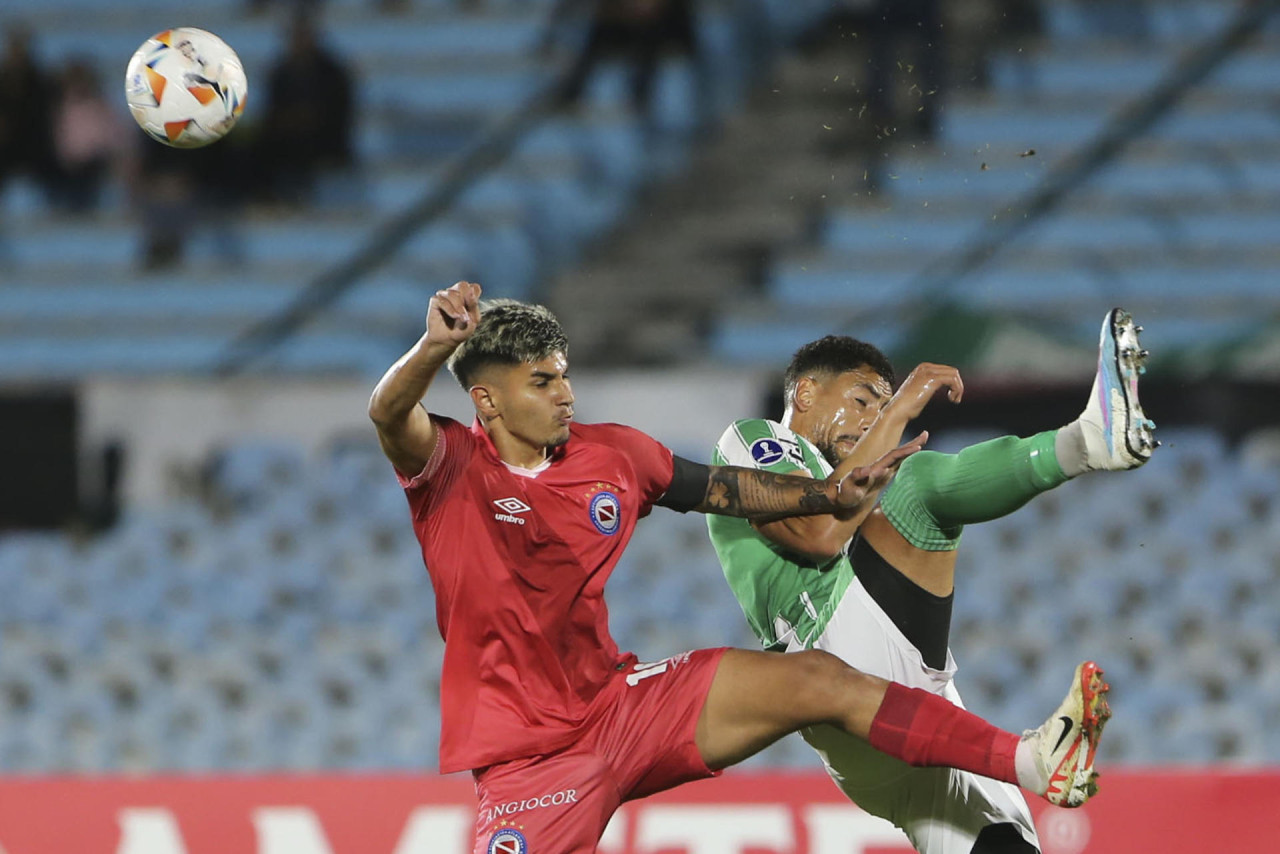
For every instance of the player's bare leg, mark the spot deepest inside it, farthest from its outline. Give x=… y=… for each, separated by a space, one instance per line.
x=917 y=527
x=758 y=697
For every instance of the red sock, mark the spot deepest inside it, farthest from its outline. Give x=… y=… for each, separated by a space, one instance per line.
x=924 y=729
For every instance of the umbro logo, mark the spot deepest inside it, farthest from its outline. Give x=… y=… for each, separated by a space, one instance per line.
x=510 y=507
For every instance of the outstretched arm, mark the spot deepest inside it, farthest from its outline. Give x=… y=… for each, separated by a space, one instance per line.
x=821 y=538
x=755 y=494
x=906 y=405
x=404 y=429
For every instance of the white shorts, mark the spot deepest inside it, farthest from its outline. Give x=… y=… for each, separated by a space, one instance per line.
x=941 y=810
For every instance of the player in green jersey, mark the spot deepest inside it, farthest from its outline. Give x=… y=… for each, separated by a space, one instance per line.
x=876 y=589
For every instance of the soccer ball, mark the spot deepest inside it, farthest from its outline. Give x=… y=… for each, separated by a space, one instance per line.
x=185 y=87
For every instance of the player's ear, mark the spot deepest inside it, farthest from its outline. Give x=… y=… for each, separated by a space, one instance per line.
x=482 y=399
x=803 y=397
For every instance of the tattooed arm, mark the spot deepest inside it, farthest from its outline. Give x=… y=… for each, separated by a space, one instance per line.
x=762 y=495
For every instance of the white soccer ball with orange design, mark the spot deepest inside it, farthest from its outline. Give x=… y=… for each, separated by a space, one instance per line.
x=185 y=87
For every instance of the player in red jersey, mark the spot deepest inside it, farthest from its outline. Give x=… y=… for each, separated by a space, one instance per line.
x=522 y=518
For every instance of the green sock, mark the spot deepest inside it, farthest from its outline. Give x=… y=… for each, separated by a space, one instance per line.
x=935 y=495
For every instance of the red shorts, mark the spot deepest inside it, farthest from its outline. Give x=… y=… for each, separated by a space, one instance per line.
x=638 y=739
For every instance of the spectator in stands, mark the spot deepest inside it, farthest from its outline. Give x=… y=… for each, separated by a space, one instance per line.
x=641 y=31
x=89 y=139
x=905 y=38
x=26 y=96
x=257 y=7
x=1021 y=19
x=1009 y=26
x=181 y=191
x=902 y=90
x=1127 y=20
x=308 y=116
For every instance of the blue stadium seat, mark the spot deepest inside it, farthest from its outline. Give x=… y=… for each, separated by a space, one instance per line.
x=461 y=37
x=851 y=233
x=1008 y=133
x=85 y=246
x=963 y=185
x=1082 y=232
x=388 y=298
x=802 y=286
x=1110 y=76
x=452 y=93
x=147 y=302
x=1131 y=178
x=1240 y=126
x=760 y=342
x=1027 y=290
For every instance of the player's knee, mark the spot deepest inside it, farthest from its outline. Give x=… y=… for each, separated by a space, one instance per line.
x=905 y=502
x=819 y=664
x=922 y=463
x=827 y=683
x=915 y=476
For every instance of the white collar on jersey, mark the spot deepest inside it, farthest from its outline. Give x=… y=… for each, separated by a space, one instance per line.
x=533 y=472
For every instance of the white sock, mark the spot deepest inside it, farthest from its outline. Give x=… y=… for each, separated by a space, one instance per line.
x=1030 y=777
x=1071 y=446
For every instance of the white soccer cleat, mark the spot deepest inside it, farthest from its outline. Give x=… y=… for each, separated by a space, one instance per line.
x=1064 y=747
x=1117 y=433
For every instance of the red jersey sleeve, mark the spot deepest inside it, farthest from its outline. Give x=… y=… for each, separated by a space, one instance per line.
x=454 y=445
x=651 y=460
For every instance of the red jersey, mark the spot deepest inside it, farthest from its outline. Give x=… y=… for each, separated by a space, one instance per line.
x=519 y=561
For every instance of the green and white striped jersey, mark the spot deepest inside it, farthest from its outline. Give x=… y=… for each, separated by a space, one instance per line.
x=786 y=599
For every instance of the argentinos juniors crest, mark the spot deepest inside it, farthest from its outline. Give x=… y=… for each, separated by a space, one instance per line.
x=507 y=840
x=605 y=508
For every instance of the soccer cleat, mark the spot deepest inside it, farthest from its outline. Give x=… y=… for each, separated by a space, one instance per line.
x=1117 y=433
x=1065 y=746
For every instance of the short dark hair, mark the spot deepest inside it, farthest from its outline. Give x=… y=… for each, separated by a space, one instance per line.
x=834 y=355
x=509 y=333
